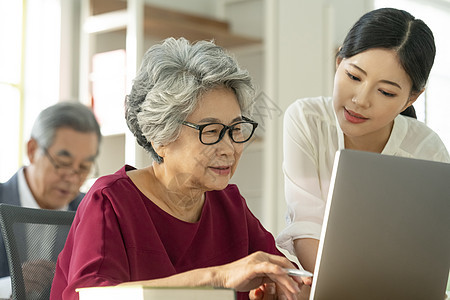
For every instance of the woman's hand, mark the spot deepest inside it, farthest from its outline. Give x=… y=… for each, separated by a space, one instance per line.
x=243 y=275
x=268 y=291
x=257 y=269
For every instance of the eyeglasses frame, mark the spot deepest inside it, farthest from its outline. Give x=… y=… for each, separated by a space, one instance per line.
x=59 y=166
x=223 y=131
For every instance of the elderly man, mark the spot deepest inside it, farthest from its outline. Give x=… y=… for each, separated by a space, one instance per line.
x=62 y=149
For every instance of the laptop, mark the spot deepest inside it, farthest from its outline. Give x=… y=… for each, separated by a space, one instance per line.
x=386 y=232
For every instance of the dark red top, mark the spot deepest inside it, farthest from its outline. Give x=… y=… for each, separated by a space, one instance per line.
x=119 y=235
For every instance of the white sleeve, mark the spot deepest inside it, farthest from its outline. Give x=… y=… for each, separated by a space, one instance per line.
x=305 y=206
x=412 y=138
x=440 y=151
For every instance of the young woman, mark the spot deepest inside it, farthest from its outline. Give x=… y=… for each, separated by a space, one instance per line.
x=382 y=68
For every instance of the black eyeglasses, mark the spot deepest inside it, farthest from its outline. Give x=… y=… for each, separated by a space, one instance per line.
x=212 y=133
x=66 y=169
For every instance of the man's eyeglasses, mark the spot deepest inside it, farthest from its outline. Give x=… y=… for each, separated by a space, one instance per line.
x=212 y=133
x=67 y=169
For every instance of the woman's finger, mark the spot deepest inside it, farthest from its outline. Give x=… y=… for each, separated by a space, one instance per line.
x=256 y=294
x=307 y=280
x=267 y=291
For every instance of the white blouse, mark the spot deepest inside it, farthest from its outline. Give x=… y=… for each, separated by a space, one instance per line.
x=311 y=138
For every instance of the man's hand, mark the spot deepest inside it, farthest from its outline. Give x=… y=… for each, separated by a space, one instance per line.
x=38 y=275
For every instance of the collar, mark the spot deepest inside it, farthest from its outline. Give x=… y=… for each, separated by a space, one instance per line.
x=397 y=136
x=340 y=133
x=26 y=197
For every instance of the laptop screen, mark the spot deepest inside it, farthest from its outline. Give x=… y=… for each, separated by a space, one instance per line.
x=386 y=232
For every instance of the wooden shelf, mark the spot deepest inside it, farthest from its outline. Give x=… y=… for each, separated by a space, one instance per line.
x=107 y=26
x=160 y=23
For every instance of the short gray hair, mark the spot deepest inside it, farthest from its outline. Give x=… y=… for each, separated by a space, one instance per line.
x=72 y=115
x=172 y=78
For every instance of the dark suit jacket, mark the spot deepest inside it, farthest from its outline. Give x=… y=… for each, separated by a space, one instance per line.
x=9 y=194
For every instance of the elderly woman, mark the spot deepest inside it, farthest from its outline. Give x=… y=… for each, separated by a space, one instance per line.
x=177 y=222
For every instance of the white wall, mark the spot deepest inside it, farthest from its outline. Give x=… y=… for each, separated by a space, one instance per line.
x=301 y=43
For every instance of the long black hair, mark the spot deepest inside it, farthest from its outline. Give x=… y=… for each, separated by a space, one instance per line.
x=398 y=30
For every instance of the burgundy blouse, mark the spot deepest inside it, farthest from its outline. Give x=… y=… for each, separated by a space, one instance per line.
x=119 y=235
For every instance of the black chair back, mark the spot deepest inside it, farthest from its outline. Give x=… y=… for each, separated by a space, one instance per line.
x=33 y=240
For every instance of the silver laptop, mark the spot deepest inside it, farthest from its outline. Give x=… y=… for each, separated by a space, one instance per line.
x=386 y=232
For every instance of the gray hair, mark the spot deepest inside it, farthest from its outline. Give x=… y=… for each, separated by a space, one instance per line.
x=172 y=78
x=72 y=115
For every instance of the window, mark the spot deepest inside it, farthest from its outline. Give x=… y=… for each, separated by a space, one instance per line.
x=29 y=73
x=11 y=28
x=433 y=108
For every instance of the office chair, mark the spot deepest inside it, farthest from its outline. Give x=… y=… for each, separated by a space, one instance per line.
x=33 y=239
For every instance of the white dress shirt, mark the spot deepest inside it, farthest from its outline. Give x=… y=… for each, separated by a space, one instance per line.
x=311 y=138
x=26 y=197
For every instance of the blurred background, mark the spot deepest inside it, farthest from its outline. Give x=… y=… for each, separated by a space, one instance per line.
x=89 y=50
